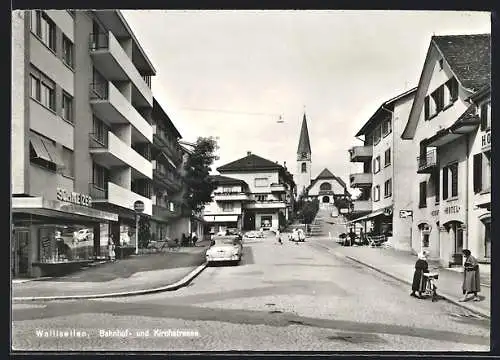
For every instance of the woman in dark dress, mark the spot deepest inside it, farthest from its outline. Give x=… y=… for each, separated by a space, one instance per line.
x=471 y=284
x=419 y=281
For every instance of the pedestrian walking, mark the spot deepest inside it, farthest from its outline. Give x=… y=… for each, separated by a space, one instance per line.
x=302 y=235
x=194 y=238
x=419 y=281
x=471 y=284
x=295 y=236
x=261 y=231
x=278 y=237
x=111 y=249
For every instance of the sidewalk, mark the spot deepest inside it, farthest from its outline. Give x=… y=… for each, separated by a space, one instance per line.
x=134 y=274
x=400 y=265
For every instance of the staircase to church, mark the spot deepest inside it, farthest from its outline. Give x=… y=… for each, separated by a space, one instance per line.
x=326 y=225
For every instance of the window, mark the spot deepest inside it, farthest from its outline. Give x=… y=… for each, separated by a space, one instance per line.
x=377 y=135
x=69 y=162
x=100 y=131
x=450 y=171
x=325 y=186
x=44 y=28
x=227 y=207
x=303 y=167
x=35 y=87
x=67 y=47
x=478 y=173
x=451 y=89
x=388 y=188
x=485 y=113
x=423 y=195
x=376 y=193
x=261 y=182
x=387 y=161
x=99 y=176
x=386 y=127
x=48 y=96
x=445 y=183
x=67 y=107
x=454 y=179
x=441 y=63
x=171 y=206
x=376 y=165
x=438 y=96
x=261 y=198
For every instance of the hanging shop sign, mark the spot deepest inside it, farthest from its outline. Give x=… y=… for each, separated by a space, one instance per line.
x=74 y=197
x=139 y=206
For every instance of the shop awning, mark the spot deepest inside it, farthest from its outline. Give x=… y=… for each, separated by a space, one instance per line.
x=221 y=218
x=58 y=209
x=369 y=216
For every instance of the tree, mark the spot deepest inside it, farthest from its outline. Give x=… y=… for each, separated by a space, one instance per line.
x=144 y=232
x=309 y=210
x=196 y=173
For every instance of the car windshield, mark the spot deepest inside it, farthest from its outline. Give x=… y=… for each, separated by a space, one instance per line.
x=225 y=241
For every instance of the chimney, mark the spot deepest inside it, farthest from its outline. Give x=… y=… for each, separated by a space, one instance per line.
x=249 y=153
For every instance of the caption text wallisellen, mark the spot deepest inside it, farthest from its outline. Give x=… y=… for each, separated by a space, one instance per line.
x=114 y=333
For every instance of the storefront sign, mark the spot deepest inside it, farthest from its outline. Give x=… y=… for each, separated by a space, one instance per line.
x=486 y=140
x=434 y=212
x=74 y=197
x=405 y=213
x=452 y=209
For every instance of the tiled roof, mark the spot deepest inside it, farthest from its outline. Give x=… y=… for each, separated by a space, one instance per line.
x=326 y=174
x=304 y=143
x=469 y=57
x=219 y=179
x=249 y=163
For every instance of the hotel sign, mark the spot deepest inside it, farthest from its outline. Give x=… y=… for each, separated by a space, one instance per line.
x=452 y=209
x=74 y=197
x=486 y=140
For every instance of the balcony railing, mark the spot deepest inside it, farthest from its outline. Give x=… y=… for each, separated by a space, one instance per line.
x=168 y=143
x=147 y=80
x=98 y=41
x=98 y=141
x=98 y=91
x=97 y=192
x=427 y=161
x=360 y=153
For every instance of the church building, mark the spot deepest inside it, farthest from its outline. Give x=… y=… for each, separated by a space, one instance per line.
x=326 y=187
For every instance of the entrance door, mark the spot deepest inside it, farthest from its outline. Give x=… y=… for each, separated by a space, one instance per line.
x=20 y=256
x=249 y=223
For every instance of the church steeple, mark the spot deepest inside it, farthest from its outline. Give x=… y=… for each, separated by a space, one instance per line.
x=304 y=147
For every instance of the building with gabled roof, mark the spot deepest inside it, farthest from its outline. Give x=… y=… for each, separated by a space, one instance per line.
x=450 y=122
x=251 y=194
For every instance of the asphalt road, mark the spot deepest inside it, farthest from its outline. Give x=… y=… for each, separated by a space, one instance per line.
x=289 y=297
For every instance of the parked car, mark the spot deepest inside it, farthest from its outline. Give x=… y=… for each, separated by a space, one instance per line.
x=83 y=235
x=225 y=249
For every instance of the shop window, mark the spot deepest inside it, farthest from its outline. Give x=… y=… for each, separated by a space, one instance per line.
x=266 y=221
x=422 y=195
x=65 y=243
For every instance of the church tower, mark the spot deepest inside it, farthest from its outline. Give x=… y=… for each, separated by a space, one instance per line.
x=303 y=175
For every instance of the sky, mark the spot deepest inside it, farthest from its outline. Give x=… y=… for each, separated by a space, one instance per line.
x=231 y=74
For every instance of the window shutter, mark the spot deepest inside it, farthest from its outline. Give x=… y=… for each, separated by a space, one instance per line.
x=478 y=160
x=484 y=116
x=454 y=179
x=423 y=194
x=445 y=183
x=440 y=98
x=436 y=186
x=426 y=108
x=454 y=89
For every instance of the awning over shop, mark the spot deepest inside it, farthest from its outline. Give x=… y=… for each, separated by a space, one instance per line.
x=221 y=218
x=58 y=209
x=372 y=215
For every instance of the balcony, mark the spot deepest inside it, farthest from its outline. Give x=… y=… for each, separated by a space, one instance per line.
x=170 y=179
x=108 y=103
x=111 y=60
x=268 y=204
x=427 y=163
x=278 y=187
x=361 y=180
x=169 y=146
x=362 y=206
x=164 y=209
x=119 y=196
x=108 y=150
x=361 y=153
x=232 y=196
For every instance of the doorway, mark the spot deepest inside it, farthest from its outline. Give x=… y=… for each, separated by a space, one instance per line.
x=249 y=222
x=20 y=253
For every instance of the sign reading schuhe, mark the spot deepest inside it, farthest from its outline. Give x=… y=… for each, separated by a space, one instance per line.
x=74 y=197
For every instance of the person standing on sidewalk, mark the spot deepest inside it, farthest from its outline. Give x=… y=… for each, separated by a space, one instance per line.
x=472 y=282
x=419 y=281
x=111 y=248
x=278 y=237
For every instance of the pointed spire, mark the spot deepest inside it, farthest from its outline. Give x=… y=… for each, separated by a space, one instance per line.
x=304 y=143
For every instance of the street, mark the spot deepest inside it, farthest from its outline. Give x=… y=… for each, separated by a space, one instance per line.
x=280 y=297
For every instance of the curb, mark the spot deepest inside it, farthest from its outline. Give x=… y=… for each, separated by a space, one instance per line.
x=177 y=285
x=446 y=297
